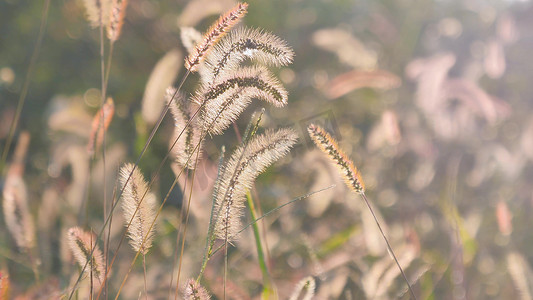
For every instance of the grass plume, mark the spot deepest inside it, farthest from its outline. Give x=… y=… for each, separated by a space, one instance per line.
x=352 y=178
x=214 y=33
x=81 y=244
x=184 y=125
x=242 y=44
x=347 y=169
x=138 y=204
x=15 y=203
x=116 y=19
x=224 y=102
x=244 y=165
x=194 y=291
x=97 y=12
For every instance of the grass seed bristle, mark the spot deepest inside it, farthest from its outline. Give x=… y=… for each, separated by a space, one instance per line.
x=187 y=132
x=116 y=19
x=244 y=165
x=194 y=291
x=81 y=244
x=242 y=44
x=328 y=145
x=138 y=204
x=214 y=33
x=224 y=102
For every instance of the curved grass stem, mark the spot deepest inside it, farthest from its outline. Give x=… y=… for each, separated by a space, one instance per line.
x=389 y=248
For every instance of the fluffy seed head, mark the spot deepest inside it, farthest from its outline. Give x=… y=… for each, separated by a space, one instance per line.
x=97 y=12
x=245 y=164
x=186 y=138
x=242 y=44
x=214 y=33
x=346 y=167
x=224 y=101
x=138 y=204
x=194 y=291
x=116 y=19
x=15 y=198
x=81 y=244
x=16 y=212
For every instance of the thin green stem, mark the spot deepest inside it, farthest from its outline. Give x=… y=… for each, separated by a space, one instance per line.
x=267 y=283
x=213 y=252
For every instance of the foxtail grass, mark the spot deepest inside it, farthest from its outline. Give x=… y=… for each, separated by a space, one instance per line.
x=352 y=178
x=85 y=250
x=245 y=44
x=194 y=291
x=213 y=34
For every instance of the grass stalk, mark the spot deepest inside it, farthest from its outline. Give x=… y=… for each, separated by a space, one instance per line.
x=268 y=288
x=389 y=248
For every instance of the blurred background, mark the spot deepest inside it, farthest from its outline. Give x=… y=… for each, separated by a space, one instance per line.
x=431 y=99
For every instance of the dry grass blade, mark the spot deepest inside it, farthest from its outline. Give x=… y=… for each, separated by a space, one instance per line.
x=100 y=125
x=138 y=205
x=185 y=146
x=81 y=244
x=243 y=44
x=213 y=34
x=245 y=164
x=194 y=291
